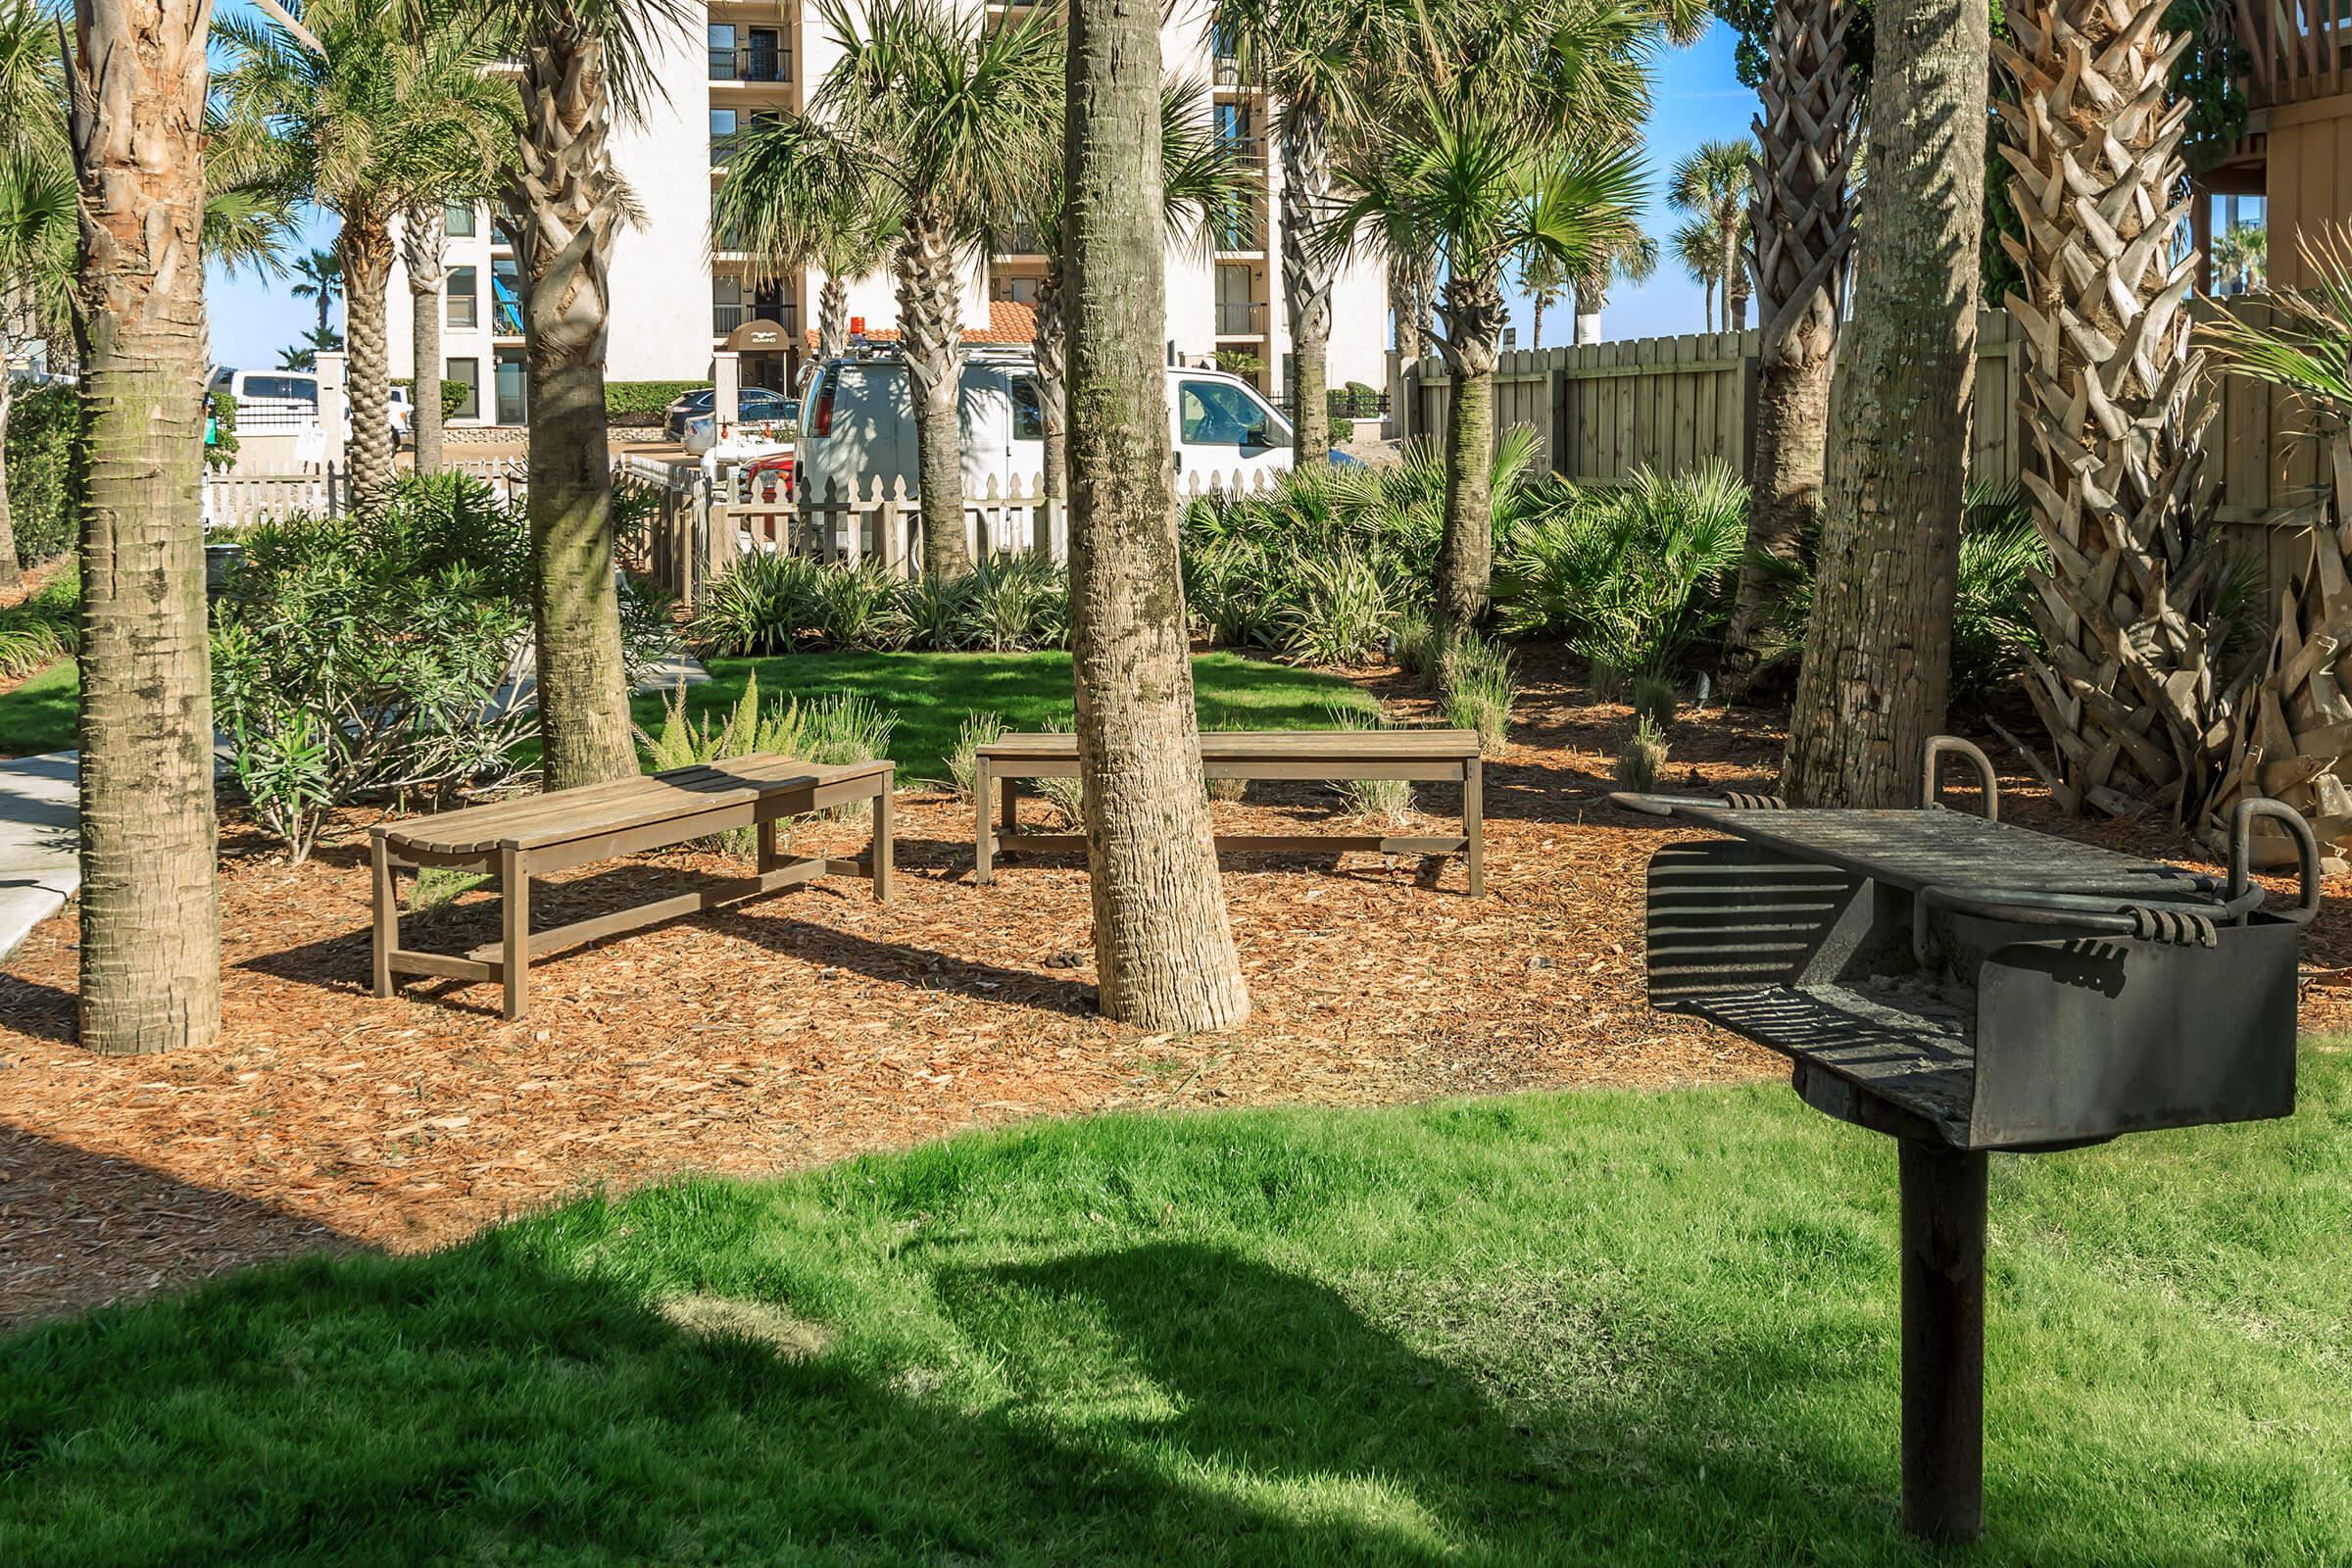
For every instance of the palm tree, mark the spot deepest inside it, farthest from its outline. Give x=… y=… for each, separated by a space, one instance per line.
x=794 y=197
x=2241 y=255
x=36 y=212
x=1632 y=259
x=582 y=63
x=1544 y=280
x=1712 y=183
x=423 y=239
x=1877 y=653
x=336 y=102
x=956 y=117
x=1495 y=144
x=1311 y=56
x=318 y=276
x=1165 y=955
x=1698 y=248
x=2118 y=407
x=1801 y=222
x=150 y=922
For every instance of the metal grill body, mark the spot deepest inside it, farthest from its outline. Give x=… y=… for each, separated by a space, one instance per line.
x=1967 y=986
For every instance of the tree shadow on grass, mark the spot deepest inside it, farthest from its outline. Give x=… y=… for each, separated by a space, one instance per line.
x=1143 y=1406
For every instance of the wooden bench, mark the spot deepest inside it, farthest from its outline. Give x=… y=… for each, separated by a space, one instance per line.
x=536 y=834
x=1436 y=755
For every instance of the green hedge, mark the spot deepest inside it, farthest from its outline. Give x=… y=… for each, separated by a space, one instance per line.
x=44 y=485
x=643 y=402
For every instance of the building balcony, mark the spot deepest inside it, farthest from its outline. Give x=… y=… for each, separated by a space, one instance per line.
x=506 y=319
x=725 y=318
x=1244 y=152
x=752 y=64
x=1241 y=237
x=1241 y=318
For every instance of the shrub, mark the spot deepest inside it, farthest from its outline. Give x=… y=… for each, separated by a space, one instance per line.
x=1481 y=683
x=635 y=403
x=1338 y=612
x=220 y=445
x=42 y=627
x=976 y=731
x=357 y=659
x=1015 y=603
x=774 y=604
x=857 y=607
x=45 y=471
x=846 y=727
x=748 y=727
x=762 y=604
x=1388 y=798
x=1414 y=643
x=1654 y=699
x=1642 y=757
x=934 y=611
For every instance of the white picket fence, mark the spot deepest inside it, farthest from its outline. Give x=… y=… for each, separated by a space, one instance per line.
x=701 y=526
x=242 y=500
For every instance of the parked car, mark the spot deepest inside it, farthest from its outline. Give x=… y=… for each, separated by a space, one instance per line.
x=270 y=400
x=684 y=410
x=753 y=407
x=861 y=426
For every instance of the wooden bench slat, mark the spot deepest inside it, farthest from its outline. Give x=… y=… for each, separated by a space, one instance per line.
x=1320 y=746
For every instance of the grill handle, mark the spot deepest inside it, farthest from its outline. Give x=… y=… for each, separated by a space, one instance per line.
x=2241 y=844
x=1931 y=784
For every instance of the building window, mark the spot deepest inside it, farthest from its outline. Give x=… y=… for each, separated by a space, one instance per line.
x=467 y=373
x=465 y=297
x=506 y=298
x=727 y=306
x=722 y=51
x=514 y=404
x=456 y=220
x=722 y=131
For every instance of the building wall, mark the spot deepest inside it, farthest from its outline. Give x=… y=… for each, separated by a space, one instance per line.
x=663 y=323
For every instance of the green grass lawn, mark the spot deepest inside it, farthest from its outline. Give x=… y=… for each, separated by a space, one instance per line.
x=40 y=713
x=1607 y=1328
x=932 y=693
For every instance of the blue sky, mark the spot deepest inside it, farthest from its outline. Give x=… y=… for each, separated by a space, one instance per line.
x=1698 y=98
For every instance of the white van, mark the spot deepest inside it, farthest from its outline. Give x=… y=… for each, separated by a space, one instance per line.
x=860 y=425
x=270 y=400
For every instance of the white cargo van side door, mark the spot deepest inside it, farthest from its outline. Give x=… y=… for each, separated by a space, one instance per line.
x=1225 y=431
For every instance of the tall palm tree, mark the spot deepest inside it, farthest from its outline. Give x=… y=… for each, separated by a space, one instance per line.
x=1544 y=280
x=1699 y=249
x=1877 y=653
x=1632 y=259
x=1165 y=955
x=955 y=116
x=1311 y=56
x=1496 y=144
x=150 y=921
x=335 y=100
x=319 y=276
x=1712 y=183
x=796 y=196
x=423 y=247
x=582 y=65
x=2117 y=406
x=1801 y=222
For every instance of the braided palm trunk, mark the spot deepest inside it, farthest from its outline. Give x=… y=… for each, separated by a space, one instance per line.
x=1052 y=383
x=2127 y=689
x=366 y=248
x=572 y=205
x=832 y=318
x=931 y=330
x=422 y=241
x=1803 y=224
x=1307 y=279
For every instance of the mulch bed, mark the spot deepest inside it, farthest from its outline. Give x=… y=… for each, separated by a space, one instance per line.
x=816 y=1024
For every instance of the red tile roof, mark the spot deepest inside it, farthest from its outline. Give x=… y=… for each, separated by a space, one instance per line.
x=1008 y=321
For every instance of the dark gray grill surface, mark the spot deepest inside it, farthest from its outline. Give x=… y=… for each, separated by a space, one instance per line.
x=1914 y=849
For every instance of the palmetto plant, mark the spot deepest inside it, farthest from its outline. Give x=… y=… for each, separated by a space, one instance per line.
x=1696 y=249
x=1712 y=183
x=1497 y=150
x=336 y=103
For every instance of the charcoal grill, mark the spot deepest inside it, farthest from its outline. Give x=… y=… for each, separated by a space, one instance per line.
x=1965 y=985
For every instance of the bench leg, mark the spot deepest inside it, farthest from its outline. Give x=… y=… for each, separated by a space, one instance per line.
x=768 y=859
x=514 y=929
x=1474 y=834
x=1008 y=805
x=879 y=856
x=983 y=843
x=387 y=917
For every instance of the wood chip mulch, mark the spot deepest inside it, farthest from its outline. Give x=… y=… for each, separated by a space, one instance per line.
x=816 y=1024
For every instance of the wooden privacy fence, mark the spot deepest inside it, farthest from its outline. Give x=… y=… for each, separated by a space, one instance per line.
x=1669 y=404
x=698 y=527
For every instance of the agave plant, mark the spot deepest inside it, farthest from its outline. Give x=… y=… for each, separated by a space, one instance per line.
x=857 y=607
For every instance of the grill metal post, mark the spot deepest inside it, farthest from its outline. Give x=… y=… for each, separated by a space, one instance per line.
x=1943 y=1340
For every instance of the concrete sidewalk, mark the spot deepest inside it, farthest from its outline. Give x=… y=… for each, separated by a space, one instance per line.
x=38 y=867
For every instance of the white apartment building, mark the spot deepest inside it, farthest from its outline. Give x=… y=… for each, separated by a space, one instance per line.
x=676 y=301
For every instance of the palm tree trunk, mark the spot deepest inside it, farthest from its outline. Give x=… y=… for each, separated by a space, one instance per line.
x=1536 y=328
x=931 y=330
x=150 y=920
x=1878 y=657
x=1052 y=383
x=572 y=205
x=1306 y=280
x=11 y=575
x=1164 y=956
x=1474 y=314
x=1404 y=308
x=1802 y=218
x=423 y=243
x=832 y=318
x=1590 y=296
x=366 y=248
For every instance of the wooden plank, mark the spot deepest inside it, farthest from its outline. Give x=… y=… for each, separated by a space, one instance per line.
x=1265 y=843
